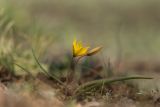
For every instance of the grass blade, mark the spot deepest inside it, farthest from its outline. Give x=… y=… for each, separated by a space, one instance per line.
x=49 y=75
x=24 y=69
x=89 y=85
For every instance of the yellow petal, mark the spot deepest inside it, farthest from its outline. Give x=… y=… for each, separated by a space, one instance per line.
x=83 y=51
x=94 y=51
x=74 y=43
x=76 y=47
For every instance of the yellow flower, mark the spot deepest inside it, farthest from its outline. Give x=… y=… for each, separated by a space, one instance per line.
x=80 y=50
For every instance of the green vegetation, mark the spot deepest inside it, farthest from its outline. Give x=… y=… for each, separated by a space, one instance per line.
x=36 y=52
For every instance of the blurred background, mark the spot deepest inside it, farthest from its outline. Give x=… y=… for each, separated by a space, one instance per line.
x=128 y=31
x=127 y=27
x=135 y=24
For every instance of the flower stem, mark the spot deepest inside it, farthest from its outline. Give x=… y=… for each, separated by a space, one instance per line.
x=71 y=74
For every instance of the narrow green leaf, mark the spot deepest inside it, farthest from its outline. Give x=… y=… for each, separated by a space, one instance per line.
x=96 y=83
x=49 y=75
